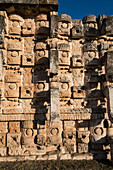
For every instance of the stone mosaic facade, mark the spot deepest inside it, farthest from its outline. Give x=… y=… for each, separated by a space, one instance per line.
x=56 y=83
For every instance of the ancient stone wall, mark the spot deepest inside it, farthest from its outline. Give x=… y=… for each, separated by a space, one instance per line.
x=56 y=83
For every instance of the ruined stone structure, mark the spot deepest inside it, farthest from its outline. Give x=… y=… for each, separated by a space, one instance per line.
x=56 y=83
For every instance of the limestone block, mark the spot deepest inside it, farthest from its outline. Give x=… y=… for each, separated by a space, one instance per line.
x=54 y=61
x=65 y=90
x=14 y=150
x=15 y=17
x=11 y=90
x=64 y=24
x=98 y=132
x=31 y=150
x=65 y=17
x=42 y=89
x=65 y=77
x=3 y=151
x=3 y=127
x=83 y=135
x=60 y=25
x=91 y=76
x=109 y=65
x=13 y=57
x=77 y=28
x=40 y=75
x=78 y=92
x=63 y=47
x=76 y=48
x=41 y=17
x=54 y=104
x=54 y=133
x=41 y=46
x=83 y=156
x=90 y=18
x=101 y=22
x=41 y=57
x=82 y=148
x=64 y=58
x=2 y=139
x=77 y=61
x=69 y=140
x=78 y=103
x=91 y=58
x=110 y=103
x=27 y=91
x=28 y=136
x=27 y=76
x=65 y=103
x=91 y=29
x=2 y=30
x=52 y=157
x=14 y=127
x=65 y=157
x=1 y=64
x=107 y=24
x=12 y=111
x=29 y=45
x=42 y=108
x=14 y=28
x=69 y=125
x=12 y=78
x=28 y=28
x=13 y=139
x=28 y=60
x=64 y=28
x=90 y=47
x=41 y=139
x=78 y=75
x=27 y=105
x=42 y=27
x=11 y=103
x=54 y=26
x=14 y=43
x=104 y=46
x=27 y=124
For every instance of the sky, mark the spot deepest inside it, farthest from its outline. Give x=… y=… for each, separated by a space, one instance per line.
x=78 y=9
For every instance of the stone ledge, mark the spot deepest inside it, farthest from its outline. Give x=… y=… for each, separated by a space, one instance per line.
x=38 y=2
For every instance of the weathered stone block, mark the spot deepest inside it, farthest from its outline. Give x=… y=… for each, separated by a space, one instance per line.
x=2 y=139
x=77 y=61
x=41 y=57
x=53 y=61
x=28 y=60
x=90 y=18
x=27 y=91
x=77 y=29
x=14 y=44
x=109 y=66
x=28 y=28
x=55 y=115
x=64 y=58
x=13 y=57
x=11 y=90
x=98 y=132
x=82 y=148
x=14 y=127
x=3 y=127
x=13 y=139
x=14 y=150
